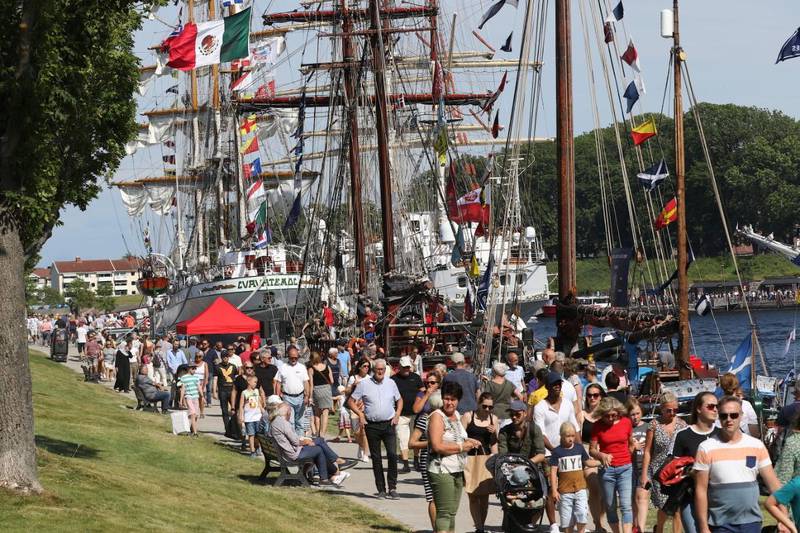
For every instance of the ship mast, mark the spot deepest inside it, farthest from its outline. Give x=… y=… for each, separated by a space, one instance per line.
x=680 y=184
x=351 y=109
x=565 y=164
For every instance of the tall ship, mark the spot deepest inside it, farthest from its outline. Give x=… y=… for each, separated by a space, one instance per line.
x=348 y=142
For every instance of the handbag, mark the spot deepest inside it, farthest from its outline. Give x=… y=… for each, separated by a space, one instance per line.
x=477 y=478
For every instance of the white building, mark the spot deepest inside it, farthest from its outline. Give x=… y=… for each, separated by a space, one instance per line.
x=121 y=273
x=40 y=278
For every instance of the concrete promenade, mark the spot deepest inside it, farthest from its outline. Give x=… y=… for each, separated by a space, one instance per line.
x=410 y=509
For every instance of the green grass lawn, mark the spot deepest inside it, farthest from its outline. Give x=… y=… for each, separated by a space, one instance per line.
x=106 y=467
x=128 y=301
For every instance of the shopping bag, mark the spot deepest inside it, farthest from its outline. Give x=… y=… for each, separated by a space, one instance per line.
x=180 y=422
x=477 y=478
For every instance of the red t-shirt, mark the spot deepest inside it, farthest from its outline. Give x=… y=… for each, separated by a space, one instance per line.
x=614 y=439
x=327 y=316
x=245 y=356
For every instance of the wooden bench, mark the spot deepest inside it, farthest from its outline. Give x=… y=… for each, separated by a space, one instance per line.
x=272 y=453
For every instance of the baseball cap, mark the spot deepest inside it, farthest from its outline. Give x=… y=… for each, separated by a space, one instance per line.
x=274 y=400
x=517 y=405
x=553 y=378
x=457 y=357
x=405 y=361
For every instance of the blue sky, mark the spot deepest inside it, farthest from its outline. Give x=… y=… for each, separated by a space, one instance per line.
x=731 y=47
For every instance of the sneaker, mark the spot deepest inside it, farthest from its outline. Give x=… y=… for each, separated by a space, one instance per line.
x=381 y=495
x=364 y=457
x=339 y=478
x=393 y=495
x=405 y=470
x=554 y=528
x=325 y=483
x=253 y=455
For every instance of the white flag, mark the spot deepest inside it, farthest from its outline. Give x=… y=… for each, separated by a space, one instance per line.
x=789 y=340
x=158 y=129
x=268 y=50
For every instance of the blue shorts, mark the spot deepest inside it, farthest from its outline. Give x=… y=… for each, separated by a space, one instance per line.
x=250 y=428
x=753 y=527
x=573 y=508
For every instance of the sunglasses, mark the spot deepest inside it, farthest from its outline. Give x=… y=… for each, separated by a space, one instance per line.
x=249 y=368
x=488 y=407
x=434 y=382
x=364 y=366
x=612 y=416
x=711 y=406
x=670 y=411
x=593 y=395
x=725 y=416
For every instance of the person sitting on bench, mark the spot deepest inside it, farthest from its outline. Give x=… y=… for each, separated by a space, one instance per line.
x=152 y=392
x=293 y=447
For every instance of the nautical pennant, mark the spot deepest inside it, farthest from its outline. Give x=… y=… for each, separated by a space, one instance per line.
x=474 y=268
x=249 y=146
x=494 y=9
x=791 y=48
x=652 y=177
x=608 y=33
x=455 y=256
x=496 y=125
x=440 y=142
x=507 y=46
x=703 y=306
x=248 y=125
x=294 y=214
x=252 y=169
x=631 y=95
x=483 y=288
x=487 y=107
x=667 y=215
x=617 y=13
x=631 y=57
x=643 y=131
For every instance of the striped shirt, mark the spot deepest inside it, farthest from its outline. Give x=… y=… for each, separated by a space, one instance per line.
x=732 y=470
x=191 y=385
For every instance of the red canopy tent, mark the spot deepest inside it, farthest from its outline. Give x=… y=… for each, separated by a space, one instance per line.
x=219 y=318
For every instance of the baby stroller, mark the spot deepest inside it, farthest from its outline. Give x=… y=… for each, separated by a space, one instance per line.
x=521 y=489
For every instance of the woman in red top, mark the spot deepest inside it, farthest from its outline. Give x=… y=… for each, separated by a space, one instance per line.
x=611 y=444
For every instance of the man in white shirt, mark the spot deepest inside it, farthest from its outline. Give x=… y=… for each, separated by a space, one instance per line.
x=515 y=373
x=81 y=332
x=292 y=384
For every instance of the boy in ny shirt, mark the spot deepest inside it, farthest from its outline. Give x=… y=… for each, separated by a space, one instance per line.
x=567 y=482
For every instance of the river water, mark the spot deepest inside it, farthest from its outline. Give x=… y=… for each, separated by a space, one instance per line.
x=716 y=337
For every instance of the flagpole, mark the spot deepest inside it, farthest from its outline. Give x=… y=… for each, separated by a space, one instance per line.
x=684 y=366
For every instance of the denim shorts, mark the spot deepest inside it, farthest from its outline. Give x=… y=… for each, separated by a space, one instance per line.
x=573 y=508
x=250 y=428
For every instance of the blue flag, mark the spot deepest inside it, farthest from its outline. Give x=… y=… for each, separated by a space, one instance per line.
x=483 y=288
x=507 y=46
x=294 y=214
x=652 y=177
x=619 y=11
x=631 y=95
x=255 y=167
x=796 y=260
x=458 y=248
x=742 y=363
x=494 y=9
x=791 y=48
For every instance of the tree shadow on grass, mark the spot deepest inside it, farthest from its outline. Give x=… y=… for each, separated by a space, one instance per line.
x=65 y=448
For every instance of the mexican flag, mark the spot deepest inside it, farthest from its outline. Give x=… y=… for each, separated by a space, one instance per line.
x=209 y=43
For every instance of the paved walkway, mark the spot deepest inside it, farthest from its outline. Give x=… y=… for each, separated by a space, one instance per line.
x=411 y=509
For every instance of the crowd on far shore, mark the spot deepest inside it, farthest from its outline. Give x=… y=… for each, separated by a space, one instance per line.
x=582 y=426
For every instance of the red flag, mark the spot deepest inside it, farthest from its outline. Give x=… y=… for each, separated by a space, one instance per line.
x=438 y=82
x=667 y=215
x=480 y=231
x=631 y=57
x=608 y=31
x=450 y=193
x=267 y=90
x=469 y=311
x=470 y=208
x=250 y=146
x=496 y=125
x=487 y=107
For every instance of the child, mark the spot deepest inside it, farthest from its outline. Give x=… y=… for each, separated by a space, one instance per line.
x=250 y=410
x=641 y=495
x=191 y=395
x=788 y=496
x=344 y=416
x=567 y=482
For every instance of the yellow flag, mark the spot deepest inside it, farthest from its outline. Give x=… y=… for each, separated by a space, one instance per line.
x=474 y=269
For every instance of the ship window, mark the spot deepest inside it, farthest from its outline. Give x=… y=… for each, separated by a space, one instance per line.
x=502 y=279
x=415 y=227
x=520 y=279
x=462 y=281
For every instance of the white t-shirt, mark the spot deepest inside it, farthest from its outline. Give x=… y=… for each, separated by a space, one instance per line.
x=292 y=378
x=568 y=392
x=549 y=420
x=81 y=331
x=235 y=360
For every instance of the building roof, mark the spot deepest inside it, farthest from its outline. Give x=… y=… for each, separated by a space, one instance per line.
x=792 y=280
x=42 y=272
x=96 y=265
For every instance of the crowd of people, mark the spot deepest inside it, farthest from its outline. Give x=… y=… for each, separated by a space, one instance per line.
x=601 y=462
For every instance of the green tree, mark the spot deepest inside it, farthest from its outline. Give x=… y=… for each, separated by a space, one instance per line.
x=80 y=295
x=51 y=296
x=66 y=111
x=105 y=297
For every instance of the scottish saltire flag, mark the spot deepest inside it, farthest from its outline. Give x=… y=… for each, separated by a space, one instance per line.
x=652 y=177
x=791 y=48
x=631 y=96
x=742 y=363
x=483 y=288
x=796 y=260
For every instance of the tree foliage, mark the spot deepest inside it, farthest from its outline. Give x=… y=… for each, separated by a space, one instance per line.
x=80 y=295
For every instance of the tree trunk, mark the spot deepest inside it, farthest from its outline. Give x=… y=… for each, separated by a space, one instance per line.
x=17 y=446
